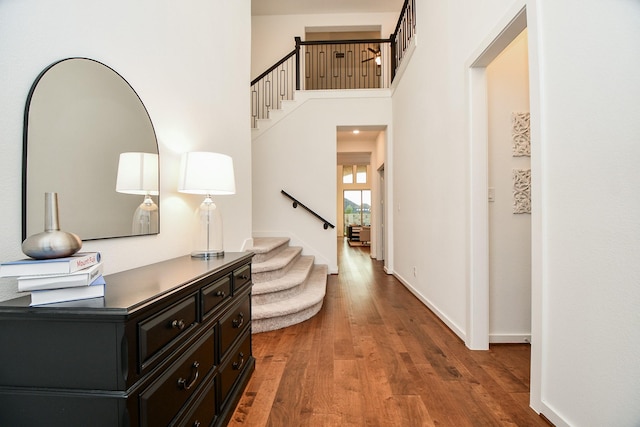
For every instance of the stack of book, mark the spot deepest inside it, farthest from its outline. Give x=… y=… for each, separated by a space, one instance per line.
x=57 y=280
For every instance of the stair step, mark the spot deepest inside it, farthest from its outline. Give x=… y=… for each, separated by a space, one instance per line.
x=286 y=104
x=267 y=247
x=275 y=114
x=298 y=308
x=276 y=266
x=286 y=286
x=262 y=124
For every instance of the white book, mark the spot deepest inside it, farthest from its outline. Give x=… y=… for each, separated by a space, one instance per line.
x=66 y=265
x=55 y=281
x=67 y=294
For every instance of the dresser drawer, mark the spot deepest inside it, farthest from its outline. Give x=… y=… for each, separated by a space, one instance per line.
x=232 y=368
x=202 y=411
x=234 y=322
x=162 y=400
x=241 y=277
x=165 y=327
x=215 y=294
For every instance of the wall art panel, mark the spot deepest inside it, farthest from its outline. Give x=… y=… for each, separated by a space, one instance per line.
x=520 y=134
x=521 y=191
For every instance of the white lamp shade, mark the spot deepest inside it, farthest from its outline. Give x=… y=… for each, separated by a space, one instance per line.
x=138 y=174
x=206 y=173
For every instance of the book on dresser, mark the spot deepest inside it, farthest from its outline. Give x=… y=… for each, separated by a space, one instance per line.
x=50 y=296
x=55 y=281
x=66 y=265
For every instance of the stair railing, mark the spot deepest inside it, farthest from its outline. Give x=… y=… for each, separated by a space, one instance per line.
x=404 y=32
x=344 y=64
x=326 y=224
x=270 y=88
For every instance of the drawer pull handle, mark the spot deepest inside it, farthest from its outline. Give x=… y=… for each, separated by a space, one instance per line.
x=178 y=324
x=197 y=424
x=244 y=277
x=220 y=294
x=238 y=365
x=183 y=382
x=238 y=323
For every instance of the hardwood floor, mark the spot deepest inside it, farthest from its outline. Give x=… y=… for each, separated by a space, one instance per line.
x=376 y=356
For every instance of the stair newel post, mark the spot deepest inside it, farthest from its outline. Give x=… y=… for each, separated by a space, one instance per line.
x=298 y=41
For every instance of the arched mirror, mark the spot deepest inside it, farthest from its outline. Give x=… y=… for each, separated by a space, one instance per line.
x=80 y=116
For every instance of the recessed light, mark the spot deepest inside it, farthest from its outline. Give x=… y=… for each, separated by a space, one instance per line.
x=356 y=131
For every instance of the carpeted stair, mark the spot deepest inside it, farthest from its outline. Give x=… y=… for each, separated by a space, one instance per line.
x=288 y=288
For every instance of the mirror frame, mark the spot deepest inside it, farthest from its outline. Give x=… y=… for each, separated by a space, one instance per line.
x=25 y=147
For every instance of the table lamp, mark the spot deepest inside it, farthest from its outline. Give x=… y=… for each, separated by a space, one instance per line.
x=138 y=174
x=207 y=174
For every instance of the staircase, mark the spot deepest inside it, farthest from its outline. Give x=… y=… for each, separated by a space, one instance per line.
x=286 y=107
x=288 y=288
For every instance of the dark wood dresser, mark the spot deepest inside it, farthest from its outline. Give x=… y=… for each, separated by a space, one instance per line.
x=169 y=344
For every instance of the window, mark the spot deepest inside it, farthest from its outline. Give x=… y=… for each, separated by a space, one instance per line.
x=347 y=174
x=357 y=207
x=360 y=172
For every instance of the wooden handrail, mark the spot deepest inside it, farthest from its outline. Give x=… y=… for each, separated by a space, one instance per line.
x=405 y=5
x=297 y=203
x=357 y=41
x=274 y=66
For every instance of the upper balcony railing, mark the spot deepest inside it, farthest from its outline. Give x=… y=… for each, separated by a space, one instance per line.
x=344 y=64
x=401 y=37
x=327 y=65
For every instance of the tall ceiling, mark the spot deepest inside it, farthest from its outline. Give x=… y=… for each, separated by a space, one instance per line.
x=305 y=7
x=309 y=7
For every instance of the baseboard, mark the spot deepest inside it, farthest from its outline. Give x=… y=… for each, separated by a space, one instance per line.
x=552 y=417
x=509 y=338
x=448 y=322
x=248 y=243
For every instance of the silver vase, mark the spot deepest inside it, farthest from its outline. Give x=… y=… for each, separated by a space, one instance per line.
x=51 y=243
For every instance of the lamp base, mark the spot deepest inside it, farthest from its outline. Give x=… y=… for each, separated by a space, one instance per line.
x=207 y=254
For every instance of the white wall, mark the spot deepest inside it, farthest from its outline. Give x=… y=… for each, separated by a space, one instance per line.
x=590 y=144
x=298 y=155
x=273 y=35
x=509 y=233
x=170 y=54
x=586 y=340
x=430 y=157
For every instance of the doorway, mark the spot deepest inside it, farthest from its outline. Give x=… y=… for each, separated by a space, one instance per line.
x=478 y=303
x=509 y=183
x=477 y=337
x=361 y=155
